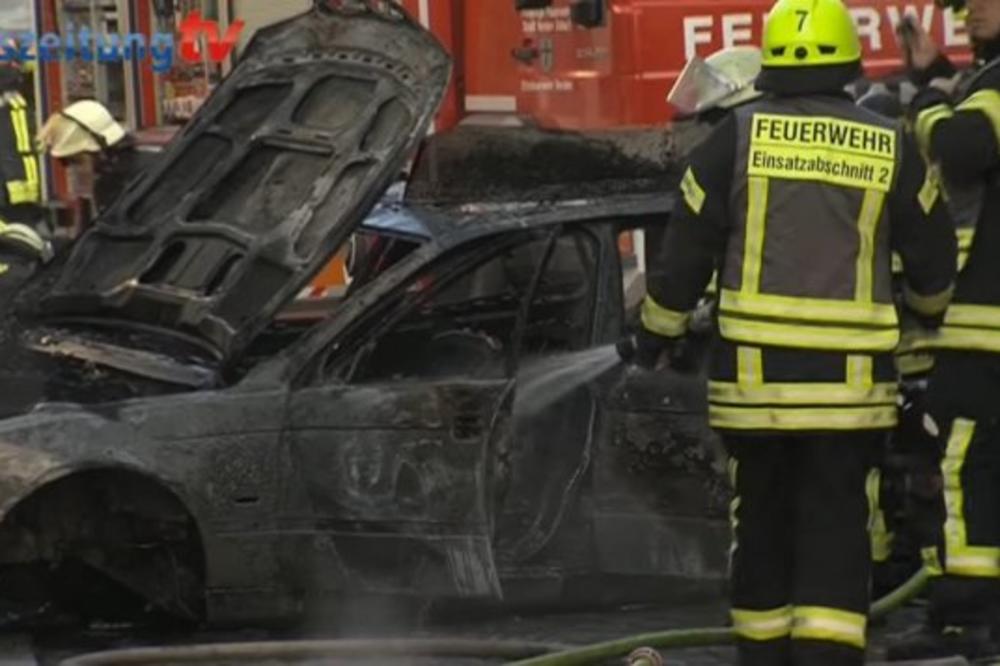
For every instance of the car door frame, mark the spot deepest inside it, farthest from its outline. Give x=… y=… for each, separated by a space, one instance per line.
x=479 y=577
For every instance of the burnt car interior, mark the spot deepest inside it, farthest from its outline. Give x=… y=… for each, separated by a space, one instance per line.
x=479 y=319
x=369 y=253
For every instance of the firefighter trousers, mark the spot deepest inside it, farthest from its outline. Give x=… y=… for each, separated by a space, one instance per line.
x=965 y=565
x=801 y=558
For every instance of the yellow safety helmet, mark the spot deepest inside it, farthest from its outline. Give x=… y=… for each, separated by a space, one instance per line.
x=82 y=127
x=810 y=33
x=25 y=240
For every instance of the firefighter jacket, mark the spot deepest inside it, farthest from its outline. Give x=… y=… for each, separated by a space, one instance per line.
x=799 y=202
x=20 y=191
x=914 y=357
x=960 y=136
x=118 y=170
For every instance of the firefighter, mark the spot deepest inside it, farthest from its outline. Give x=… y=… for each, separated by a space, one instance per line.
x=85 y=133
x=957 y=124
x=799 y=198
x=21 y=246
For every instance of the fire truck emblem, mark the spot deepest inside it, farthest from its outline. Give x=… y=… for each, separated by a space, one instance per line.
x=547 y=51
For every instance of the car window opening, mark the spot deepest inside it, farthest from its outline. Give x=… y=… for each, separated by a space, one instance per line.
x=466 y=329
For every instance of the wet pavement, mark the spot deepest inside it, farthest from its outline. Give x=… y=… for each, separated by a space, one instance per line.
x=566 y=628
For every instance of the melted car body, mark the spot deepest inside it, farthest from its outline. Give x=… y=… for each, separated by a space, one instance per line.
x=180 y=438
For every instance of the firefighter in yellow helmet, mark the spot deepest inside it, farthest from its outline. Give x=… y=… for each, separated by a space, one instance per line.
x=799 y=199
x=956 y=119
x=86 y=133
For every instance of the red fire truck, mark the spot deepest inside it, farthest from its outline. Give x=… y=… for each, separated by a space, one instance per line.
x=610 y=63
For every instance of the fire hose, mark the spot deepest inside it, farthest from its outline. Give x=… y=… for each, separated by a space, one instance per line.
x=641 y=649
x=689 y=638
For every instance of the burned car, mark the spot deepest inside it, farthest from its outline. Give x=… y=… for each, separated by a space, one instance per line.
x=441 y=434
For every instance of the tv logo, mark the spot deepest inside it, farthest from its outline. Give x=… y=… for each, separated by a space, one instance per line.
x=194 y=27
x=158 y=49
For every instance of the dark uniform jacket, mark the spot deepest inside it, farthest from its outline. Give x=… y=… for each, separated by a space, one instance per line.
x=20 y=192
x=960 y=137
x=807 y=320
x=120 y=166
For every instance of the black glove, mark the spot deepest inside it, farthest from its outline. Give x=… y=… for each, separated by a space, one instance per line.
x=916 y=431
x=941 y=68
x=687 y=355
x=643 y=348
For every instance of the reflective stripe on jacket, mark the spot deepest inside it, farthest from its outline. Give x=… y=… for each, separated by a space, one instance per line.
x=19 y=175
x=798 y=202
x=972 y=322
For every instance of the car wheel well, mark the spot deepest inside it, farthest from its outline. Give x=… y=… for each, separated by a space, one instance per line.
x=130 y=529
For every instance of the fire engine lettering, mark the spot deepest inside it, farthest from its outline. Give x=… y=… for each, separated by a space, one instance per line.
x=896 y=17
x=736 y=29
x=954 y=30
x=868 y=23
x=558 y=85
x=876 y=27
x=695 y=33
x=549 y=12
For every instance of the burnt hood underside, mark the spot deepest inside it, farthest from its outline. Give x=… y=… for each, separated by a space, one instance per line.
x=282 y=162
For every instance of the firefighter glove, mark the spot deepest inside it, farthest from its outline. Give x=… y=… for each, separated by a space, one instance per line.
x=643 y=348
x=917 y=431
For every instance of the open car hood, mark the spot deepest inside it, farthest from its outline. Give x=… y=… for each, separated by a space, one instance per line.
x=279 y=166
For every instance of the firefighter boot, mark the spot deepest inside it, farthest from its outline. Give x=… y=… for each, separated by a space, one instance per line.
x=972 y=642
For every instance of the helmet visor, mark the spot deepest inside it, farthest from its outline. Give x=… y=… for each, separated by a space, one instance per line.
x=699 y=87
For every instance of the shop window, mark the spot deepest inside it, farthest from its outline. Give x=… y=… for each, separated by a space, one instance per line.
x=93 y=79
x=187 y=85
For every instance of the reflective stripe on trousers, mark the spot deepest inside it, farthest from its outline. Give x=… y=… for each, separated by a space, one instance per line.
x=961 y=559
x=762 y=625
x=814 y=623
x=880 y=536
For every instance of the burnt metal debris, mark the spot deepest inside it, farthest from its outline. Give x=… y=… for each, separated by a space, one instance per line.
x=170 y=446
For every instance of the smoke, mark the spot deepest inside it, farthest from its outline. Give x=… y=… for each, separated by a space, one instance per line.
x=543 y=382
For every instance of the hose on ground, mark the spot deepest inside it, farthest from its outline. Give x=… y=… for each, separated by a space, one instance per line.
x=528 y=653
x=256 y=652
x=701 y=637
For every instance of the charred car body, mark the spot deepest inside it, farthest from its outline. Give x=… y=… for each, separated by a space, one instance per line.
x=166 y=430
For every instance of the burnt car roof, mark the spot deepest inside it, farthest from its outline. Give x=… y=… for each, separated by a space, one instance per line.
x=473 y=180
x=280 y=165
x=484 y=164
x=453 y=224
